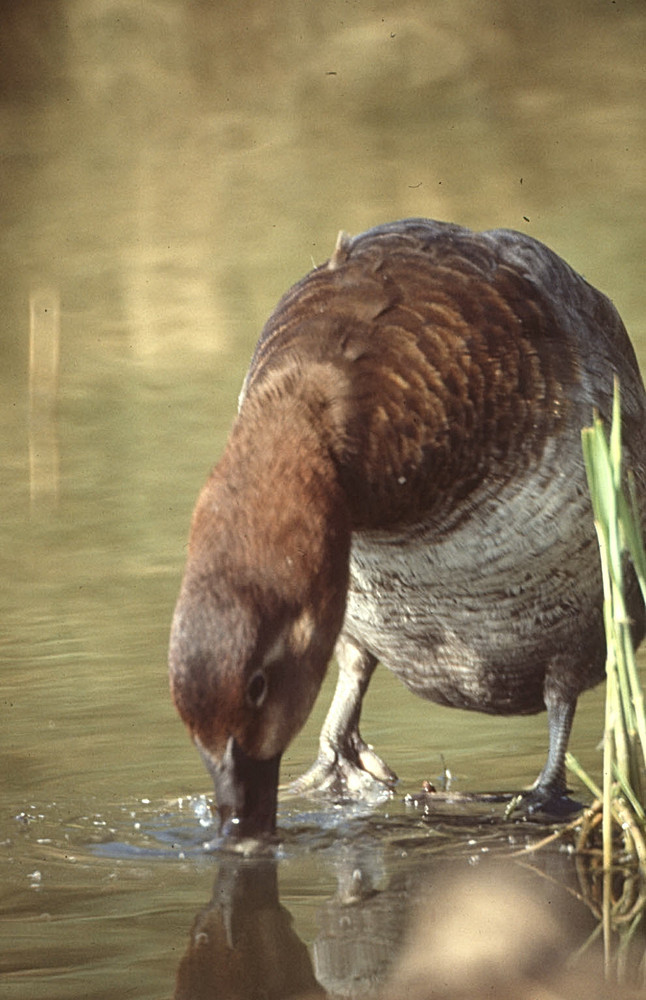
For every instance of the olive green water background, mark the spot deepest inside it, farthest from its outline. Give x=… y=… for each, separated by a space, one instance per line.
x=168 y=170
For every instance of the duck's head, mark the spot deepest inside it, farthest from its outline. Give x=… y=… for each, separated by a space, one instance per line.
x=258 y=614
x=244 y=678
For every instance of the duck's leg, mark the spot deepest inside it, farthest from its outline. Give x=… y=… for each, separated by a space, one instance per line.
x=549 y=793
x=346 y=765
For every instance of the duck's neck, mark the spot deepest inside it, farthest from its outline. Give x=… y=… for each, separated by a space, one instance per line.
x=273 y=506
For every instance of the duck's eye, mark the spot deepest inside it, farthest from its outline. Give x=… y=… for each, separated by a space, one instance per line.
x=257 y=689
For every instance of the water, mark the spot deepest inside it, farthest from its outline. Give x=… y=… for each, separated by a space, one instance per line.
x=167 y=172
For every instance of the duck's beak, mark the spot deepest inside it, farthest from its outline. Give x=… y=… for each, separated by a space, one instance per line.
x=245 y=792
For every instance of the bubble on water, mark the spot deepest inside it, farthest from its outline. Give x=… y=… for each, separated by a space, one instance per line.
x=202 y=811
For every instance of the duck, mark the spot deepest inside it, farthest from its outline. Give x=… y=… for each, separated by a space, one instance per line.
x=403 y=484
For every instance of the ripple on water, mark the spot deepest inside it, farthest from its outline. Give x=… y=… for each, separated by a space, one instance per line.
x=184 y=829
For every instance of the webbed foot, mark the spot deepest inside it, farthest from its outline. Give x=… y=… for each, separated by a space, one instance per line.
x=540 y=803
x=354 y=771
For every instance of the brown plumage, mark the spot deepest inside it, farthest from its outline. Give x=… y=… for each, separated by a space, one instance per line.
x=404 y=475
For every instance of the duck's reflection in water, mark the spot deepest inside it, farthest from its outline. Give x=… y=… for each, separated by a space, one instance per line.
x=497 y=930
x=242 y=944
x=359 y=928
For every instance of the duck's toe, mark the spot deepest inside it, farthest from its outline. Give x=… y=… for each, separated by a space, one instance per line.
x=544 y=804
x=355 y=772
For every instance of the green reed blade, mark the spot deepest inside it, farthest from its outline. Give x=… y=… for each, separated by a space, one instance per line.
x=619 y=534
